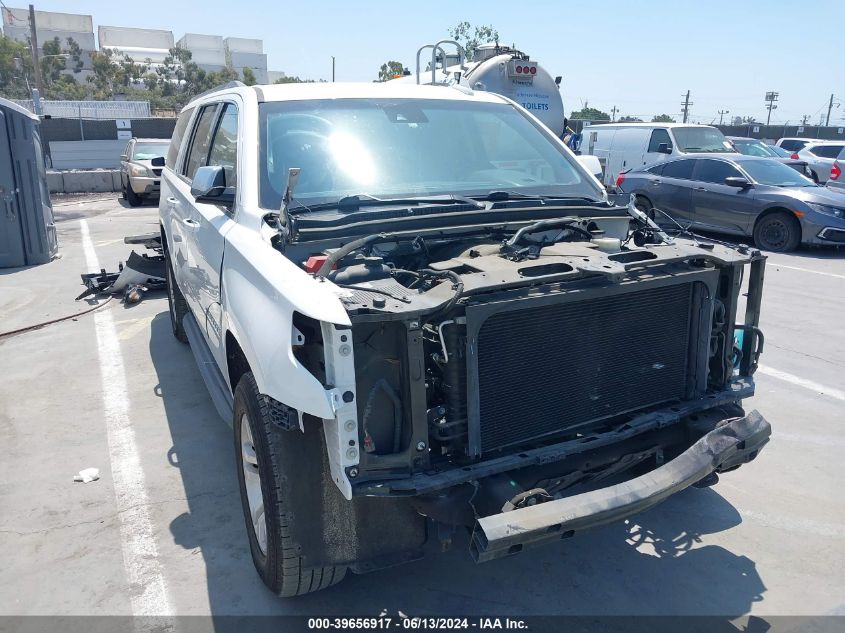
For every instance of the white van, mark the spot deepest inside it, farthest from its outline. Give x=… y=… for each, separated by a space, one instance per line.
x=623 y=146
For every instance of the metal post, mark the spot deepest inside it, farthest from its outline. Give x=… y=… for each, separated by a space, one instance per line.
x=332 y=68
x=33 y=40
x=829 y=108
x=81 y=129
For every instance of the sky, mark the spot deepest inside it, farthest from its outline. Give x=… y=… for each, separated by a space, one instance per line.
x=640 y=56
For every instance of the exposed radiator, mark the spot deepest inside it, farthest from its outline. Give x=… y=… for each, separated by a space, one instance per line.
x=543 y=370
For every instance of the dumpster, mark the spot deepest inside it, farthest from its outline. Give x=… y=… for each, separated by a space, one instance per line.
x=27 y=228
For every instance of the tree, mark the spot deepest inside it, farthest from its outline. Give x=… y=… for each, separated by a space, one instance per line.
x=589 y=114
x=249 y=77
x=294 y=80
x=630 y=119
x=662 y=118
x=743 y=120
x=389 y=70
x=470 y=37
x=15 y=67
x=53 y=61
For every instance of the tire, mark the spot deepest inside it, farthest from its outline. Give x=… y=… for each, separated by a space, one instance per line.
x=644 y=205
x=176 y=302
x=779 y=232
x=132 y=198
x=264 y=455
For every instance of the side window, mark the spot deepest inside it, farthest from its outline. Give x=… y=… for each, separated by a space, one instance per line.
x=715 y=171
x=826 y=151
x=224 y=147
x=658 y=137
x=679 y=169
x=658 y=169
x=792 y=146
x=176 y=139
x=198 y=150
x=127 y=151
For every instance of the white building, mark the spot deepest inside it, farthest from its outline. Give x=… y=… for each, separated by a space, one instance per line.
x=207 y=51
x=140 y=44
x=50 y=25
x=247 y=53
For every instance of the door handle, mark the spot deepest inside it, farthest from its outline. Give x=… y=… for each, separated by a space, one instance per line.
x=190 y=223
x=655 y=183
x=701 y=189
x=172 y=200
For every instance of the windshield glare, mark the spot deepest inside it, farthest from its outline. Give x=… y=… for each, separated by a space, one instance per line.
x=701 y=139
x=754 y=148
x=392 y=148
x=148 y=151
x=769 y=172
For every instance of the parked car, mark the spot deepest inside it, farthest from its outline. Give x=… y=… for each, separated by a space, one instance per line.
x=820 y=158
x=836 y=180
x=794 y=143
x=756 y=147
x=375 y=351
x=779 y=151
x=625 y=146
x=139 y=179
x=741 y=195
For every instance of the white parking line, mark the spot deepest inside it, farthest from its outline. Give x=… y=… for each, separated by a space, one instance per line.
x=148 y=590
x=802 y=382
x=807 y=270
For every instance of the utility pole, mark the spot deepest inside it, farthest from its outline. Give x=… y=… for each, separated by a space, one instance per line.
x=829 y=108
x=771 y=97
x=33 y=41
x=613 y=111
x=332 y=68
x=721 y=114
x=685 y=105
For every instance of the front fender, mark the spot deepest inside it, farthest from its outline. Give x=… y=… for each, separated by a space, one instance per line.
x=261 y=289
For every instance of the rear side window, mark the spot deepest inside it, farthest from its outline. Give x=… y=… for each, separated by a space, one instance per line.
x=176 y=139
x=658 y=137
x=792 y=146
x=198 y=151
x=679 y=169
x=826 y=151
x=715 y=171
x=224 y=147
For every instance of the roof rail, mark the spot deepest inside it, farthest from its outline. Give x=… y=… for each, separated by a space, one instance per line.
x=231 y=84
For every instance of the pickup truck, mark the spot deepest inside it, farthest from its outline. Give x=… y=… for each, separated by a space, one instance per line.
x=421 y=315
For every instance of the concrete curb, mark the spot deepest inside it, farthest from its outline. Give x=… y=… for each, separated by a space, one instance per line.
x=88 y=181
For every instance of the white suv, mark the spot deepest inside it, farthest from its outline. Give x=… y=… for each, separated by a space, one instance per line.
x=414 y=305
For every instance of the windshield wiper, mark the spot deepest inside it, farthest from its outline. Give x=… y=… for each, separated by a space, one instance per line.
x=361 y=200
x=504 y=196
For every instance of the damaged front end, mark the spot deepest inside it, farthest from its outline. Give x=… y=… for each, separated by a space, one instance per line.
x=528 y=384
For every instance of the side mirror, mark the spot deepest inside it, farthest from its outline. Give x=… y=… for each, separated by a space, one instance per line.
x=737 y=181
x=209 y=185
x=664 y=148
x=158 y=161
x=124 y=157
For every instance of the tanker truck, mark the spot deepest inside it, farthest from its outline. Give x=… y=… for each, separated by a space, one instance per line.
x=495 y=68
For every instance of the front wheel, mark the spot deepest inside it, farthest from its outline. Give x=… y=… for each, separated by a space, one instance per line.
x=779 y=232
x=132 y=198
x=279 y=491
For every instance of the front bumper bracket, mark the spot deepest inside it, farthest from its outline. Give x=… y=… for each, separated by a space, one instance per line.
x=726 y=447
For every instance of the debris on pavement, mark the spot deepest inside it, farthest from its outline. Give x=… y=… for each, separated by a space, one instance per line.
x=140 y=274
x=87 y=475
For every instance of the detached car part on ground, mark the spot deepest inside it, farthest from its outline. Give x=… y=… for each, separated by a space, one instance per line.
x=507 y=353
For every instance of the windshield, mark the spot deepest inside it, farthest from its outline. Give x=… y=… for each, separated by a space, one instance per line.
x=779 y=151
x=148 y=151
x=754 y=148
x=404 y=147
x=701 y=139
x=769 y=172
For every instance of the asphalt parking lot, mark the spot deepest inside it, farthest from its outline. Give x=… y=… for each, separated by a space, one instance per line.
x=162 y=530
